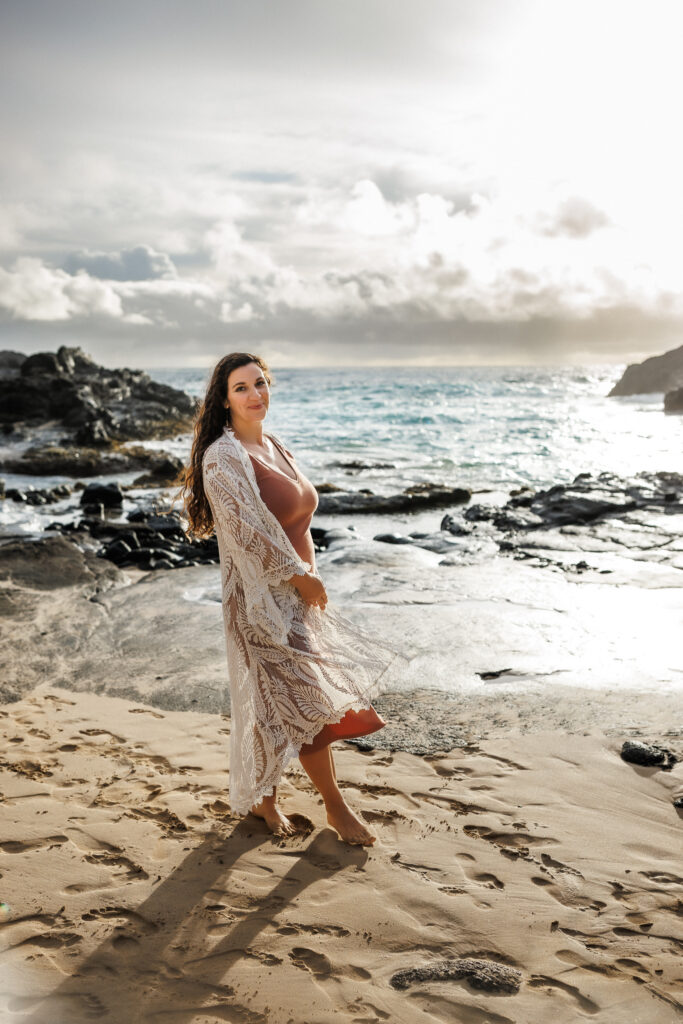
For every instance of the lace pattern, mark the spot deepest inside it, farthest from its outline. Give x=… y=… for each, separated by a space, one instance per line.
x=292 y=667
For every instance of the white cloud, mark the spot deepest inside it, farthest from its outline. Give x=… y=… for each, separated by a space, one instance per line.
x=33 y=291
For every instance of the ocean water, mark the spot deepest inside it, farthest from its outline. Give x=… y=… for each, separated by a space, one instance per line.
x=486 y=428
x=482 y=427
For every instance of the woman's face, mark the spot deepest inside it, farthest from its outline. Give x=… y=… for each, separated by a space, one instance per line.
x=248 y=396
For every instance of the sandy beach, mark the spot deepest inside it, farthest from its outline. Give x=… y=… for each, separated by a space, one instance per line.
x=135 y=896
x=523 y=871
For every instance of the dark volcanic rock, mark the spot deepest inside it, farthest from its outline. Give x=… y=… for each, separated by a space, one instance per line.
x=95 y=404
x=584 y=500
x=165 y=470
x=10 y=364
x=648 y=754
x=413 y=499
x=51 y=563
x=59 y=460
x=605 y=512
x=481 y=974
x=673 y=400
x=147 y=540
x=658 y=373
x=108 y=495
x=328 y=488
x=579 y=502
x=358 y=464
x=37 y=495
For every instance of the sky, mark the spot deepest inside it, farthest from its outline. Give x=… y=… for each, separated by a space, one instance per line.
x=342 y=182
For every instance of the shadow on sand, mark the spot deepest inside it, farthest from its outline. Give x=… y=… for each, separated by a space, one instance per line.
x=163 y=965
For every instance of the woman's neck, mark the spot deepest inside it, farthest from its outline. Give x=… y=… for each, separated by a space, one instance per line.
x=251 y=433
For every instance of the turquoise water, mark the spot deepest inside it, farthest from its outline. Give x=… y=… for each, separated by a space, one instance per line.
x=482 y=427
x=485 y=428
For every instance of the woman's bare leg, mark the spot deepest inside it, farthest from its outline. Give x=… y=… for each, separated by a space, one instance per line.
x=319 y=766
x=276 y=821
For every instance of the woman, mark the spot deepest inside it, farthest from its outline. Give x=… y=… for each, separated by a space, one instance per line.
x=299 y=671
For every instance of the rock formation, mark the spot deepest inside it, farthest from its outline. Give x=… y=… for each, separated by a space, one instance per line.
x=673 y=400
x=94 y=405
x=658 y=373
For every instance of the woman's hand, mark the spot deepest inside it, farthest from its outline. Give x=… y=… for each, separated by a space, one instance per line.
x=311 y=588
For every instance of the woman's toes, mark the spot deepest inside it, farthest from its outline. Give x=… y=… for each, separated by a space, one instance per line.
x=350 y=828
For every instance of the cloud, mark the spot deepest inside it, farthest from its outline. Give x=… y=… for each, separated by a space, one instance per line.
x=32 y=291
x=360 y=260
x=574 y=217
x=141 y=263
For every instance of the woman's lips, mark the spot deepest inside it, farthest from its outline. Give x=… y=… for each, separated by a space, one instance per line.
x=256 y=406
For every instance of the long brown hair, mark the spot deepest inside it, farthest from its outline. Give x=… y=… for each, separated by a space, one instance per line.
x=209 y=422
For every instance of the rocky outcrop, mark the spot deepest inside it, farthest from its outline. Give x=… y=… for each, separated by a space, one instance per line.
x=584 y=500
x=658 y=373
x=673 y=400
x=35 y=495
x=603 y=512
x=159 y=468
x=413 y=499
x=52 y=563
x=145 y=540
x=648 y=755
x=95 y=405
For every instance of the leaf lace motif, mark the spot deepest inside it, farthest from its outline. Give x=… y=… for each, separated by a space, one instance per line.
x=292 y=667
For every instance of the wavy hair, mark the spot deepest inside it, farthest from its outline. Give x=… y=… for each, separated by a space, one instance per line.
x=209 y=422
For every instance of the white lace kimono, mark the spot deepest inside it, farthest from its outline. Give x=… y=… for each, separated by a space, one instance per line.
x=292 y=666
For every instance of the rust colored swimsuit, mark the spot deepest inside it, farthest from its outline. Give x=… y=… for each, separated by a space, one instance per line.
x=293 y=502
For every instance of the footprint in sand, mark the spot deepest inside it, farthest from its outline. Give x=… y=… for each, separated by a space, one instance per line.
x=132 y=916
x=29 y=769
x=485 y=878
x=144 y=711
x=321 y=929
x=169 y=823
x=510 y=844
x=665 y=877
x=320 y=967
x=102 y=732
x=564 y=891
x=115 y=860
x=50 y=940
x=451 y=802
x=383 y=816
x=586 y=1004
x=23 y=846
x=72 y=1006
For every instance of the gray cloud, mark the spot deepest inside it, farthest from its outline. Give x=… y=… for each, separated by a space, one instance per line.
x=323 y=178
x=138 y=264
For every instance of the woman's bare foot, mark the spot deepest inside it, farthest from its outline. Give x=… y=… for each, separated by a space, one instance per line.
x=350 y=828
x=278 y=823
